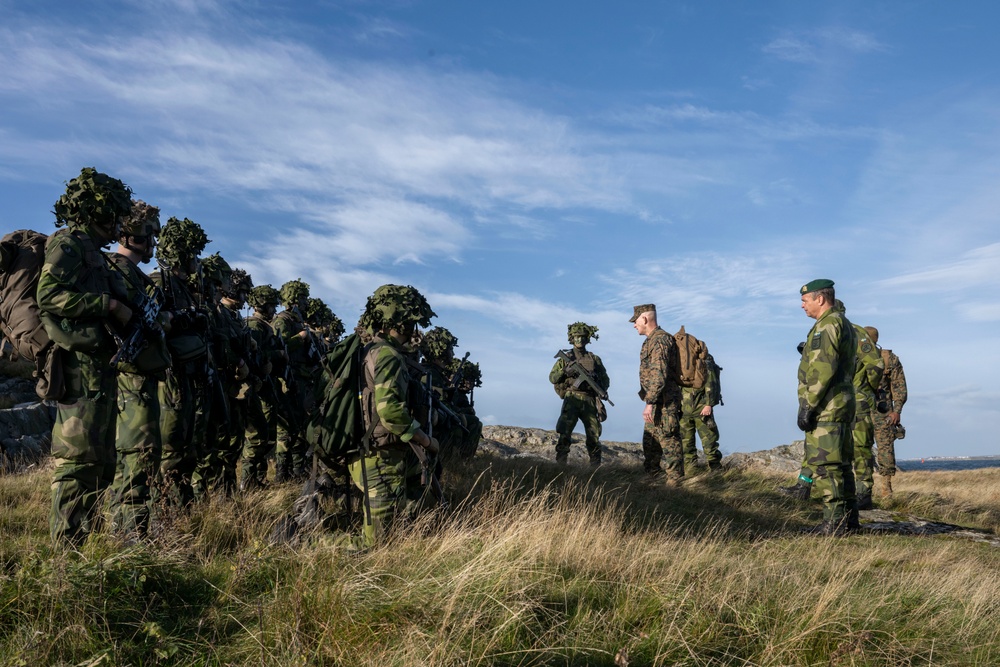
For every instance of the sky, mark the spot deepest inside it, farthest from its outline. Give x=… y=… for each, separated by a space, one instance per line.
x=527 y=165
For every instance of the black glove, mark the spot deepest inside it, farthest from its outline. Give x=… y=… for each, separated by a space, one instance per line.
x=806 y=419
x=801 y=346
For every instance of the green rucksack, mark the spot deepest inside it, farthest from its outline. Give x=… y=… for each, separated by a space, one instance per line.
x=22 y=254
x=336 y=428
x=713 y=381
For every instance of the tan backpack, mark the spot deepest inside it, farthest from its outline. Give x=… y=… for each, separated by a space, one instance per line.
x=22 y=254
x=693 y=352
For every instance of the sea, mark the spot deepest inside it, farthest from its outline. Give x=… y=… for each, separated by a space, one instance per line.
x=948 y=463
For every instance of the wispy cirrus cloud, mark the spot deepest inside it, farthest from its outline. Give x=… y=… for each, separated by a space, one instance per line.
x=817 y=45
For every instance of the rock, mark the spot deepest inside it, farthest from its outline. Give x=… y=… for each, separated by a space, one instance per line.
x=516 y=441
x=783 y=458
x=25 y=434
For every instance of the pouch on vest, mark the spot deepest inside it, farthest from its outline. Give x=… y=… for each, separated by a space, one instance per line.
x=188 y=347
x=74 y=335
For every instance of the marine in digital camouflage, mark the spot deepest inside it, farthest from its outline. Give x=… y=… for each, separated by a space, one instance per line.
x=661 y=440
x=892 y=395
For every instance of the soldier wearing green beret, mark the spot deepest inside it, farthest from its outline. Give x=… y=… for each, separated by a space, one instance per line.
x=826 y=407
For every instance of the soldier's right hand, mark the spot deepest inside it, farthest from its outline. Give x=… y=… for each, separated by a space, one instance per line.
x=119 y=311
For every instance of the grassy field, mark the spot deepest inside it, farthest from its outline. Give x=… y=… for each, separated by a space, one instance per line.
x=533 y=565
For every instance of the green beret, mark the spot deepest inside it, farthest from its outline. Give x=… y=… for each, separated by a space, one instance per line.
x=639 y=310
x=814 y=285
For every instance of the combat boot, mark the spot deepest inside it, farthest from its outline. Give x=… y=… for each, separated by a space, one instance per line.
x=865 y=501
x=854 y=520
x=830 y=528
x=884 y=486
x=798 y=491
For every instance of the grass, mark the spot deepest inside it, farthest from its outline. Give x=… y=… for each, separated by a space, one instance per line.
x=533 y=565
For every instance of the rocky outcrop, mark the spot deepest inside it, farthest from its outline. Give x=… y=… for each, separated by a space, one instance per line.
x=518 y=442
x=783 y=458
x=26 y=428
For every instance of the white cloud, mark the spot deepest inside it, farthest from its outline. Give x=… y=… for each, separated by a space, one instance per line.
x=977 y=268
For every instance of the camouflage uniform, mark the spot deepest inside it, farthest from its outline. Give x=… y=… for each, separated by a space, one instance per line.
x=470 y=438
x=262 y=424
x=661 y=440
x=241 y=390
x=691 y=420
x=75 y=287
x=826 y=397
x=867 y=376
x=138 y=440
x=892 y=397
x=290 y=454
x=579 y=403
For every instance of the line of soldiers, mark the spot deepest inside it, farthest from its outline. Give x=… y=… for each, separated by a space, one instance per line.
x=170 y=393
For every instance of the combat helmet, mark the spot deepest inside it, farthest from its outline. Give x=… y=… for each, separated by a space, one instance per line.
x=240 y=280
x=319 y=315
x=217 y=270
x=94 y=198
x=142 y=220
x=581 y=329
x=181 y=241
x=393 y=306
x=293 y=292
x=437 y=342
x=262 y=296
x=471 y=373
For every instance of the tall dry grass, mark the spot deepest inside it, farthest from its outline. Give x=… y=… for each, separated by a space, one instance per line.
x=533 y=565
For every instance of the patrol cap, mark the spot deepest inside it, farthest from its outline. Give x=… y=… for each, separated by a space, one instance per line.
x=815 y=285
x=872 y=333
x=639 y=310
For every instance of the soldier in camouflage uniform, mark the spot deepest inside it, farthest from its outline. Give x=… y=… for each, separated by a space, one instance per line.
x=187 y=339
x=77 y=293
x=304 y=362
x=324 y=323
x=390 y=472
x=697 y=407
x=138 y=438
x=580 y=401
x=469 y=377
x=437 y=348
x=826 y=407
x=262 y=428
x=890 y=398
x=867 y=377
x=658 y=369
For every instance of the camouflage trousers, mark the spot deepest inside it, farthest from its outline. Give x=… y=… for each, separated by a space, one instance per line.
x=261 y=436
x=211 y=426
x=469 y=442
x=578 y=406
x=138 y=446
x=692 y=402
x=178 y=455
x=83 y=445
x=394 y=490
x=885 y=445
x=864 y=462
x=661 y=441
x=828 y=459
x=292 y=450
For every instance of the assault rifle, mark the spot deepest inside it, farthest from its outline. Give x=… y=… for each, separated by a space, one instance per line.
x=582 y=376
x=427 y=464
x=145 y=313
x=456 y=378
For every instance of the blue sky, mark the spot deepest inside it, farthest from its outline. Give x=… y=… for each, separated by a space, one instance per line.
x=528 y=165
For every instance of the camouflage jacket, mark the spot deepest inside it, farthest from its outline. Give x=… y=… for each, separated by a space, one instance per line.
x=136 y=281
x=867 y=373
x=893 y=384
x=289 y=324
x=826 y=370
x=386 y=394
x=590 y=362
x=76 y=282
x=659 y=364
x=269 y=346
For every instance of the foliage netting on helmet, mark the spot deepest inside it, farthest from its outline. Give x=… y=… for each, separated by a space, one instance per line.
x=262 y=296
x=436 y=343
x=393 y=306
x=142 y=220
x=93 y=198
x=471 y=372
x=181 y=241
x=319 y=315
x=588 y=331
x=293 y=292
x=216 y=269
x=240 y=280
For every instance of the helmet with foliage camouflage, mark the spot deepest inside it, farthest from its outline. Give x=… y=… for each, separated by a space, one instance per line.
x=181 y=241
x=437 y=342
x=142 y=220
x=294 y=291
x=239 y=281
x=319 y=315
x=262 y=296
x=471 y=372
x=216 y=269
x=392 y=306
x=93 y=198
x=581 y=329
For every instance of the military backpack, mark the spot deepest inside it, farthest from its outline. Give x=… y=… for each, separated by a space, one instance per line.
x=22 y=255
x=693 y=371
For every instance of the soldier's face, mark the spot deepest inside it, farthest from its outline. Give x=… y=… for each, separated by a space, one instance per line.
x=811 y=304
x=580 y=341
x=641 y=325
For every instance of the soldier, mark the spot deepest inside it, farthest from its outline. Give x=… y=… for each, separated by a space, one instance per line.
x=826 y=407
x=581 y=401
x=262 y=429
x=890 y=398
x=304 y=362
x=465 y=377
x=138 y=438
x=77 y=293
x=389 y=474
x=438 y=349
x=242 y=382
x=658 y=368
x=322 y=320
x=697 y=415
x=867 y=377
x=187 y=339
